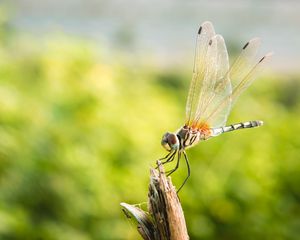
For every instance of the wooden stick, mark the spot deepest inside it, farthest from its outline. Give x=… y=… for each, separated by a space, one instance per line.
x=165 y=218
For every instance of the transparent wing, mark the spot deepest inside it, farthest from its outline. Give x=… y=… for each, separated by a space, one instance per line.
x=245 y=61
x=215 y=87
x=216 y=93
x=242 y=85
x=205 y=33
x=216 y=84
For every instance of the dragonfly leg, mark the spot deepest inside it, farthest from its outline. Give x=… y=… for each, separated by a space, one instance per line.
x=168 y=158
x=188 y=168
x=164 y=158
x=177 y=165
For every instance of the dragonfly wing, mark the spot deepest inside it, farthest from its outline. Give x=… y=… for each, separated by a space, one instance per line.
x=244 y=62
x=205 y=33
x=216 y=84
x=218 y=99
x=250 y=77
x=241 y=86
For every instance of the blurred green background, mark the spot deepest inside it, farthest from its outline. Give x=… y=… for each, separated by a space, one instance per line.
x=84 y=106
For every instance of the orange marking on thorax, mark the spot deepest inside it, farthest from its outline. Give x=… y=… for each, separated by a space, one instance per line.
x=203 y=127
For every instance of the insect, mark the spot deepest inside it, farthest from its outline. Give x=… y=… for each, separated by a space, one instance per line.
x=213 y=90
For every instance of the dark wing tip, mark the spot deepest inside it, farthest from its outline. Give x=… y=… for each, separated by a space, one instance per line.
x=253 y=41
x=210 y=42
x=246 y=45
x=200 y=29
x=262 y=59
x=268 y=55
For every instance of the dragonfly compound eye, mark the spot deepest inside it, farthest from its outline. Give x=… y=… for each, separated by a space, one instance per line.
x=170 y=141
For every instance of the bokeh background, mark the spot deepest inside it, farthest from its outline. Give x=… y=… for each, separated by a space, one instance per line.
x=87 y=88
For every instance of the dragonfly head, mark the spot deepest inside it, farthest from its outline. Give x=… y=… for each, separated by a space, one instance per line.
x=170 y=141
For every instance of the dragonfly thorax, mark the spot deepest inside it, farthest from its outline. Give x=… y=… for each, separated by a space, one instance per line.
x=184 y=138
x=190 y=137
x=170 y=141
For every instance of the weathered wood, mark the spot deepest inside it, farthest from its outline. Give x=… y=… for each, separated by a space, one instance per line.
x=164 y=219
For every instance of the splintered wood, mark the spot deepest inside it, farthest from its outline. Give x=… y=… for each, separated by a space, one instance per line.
x=164 y=219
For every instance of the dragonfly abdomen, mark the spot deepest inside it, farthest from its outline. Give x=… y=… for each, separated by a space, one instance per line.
x=233 y=127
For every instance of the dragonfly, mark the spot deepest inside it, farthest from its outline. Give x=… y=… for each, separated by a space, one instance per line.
x=214 y=88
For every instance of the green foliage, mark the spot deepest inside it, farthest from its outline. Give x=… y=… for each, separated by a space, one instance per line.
x=79 y=131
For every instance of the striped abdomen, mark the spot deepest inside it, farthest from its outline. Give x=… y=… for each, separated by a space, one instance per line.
x=233 y=127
